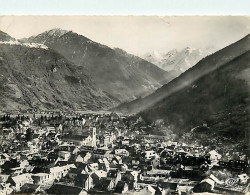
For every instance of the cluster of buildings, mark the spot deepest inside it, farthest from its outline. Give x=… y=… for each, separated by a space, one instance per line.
x=108 y=154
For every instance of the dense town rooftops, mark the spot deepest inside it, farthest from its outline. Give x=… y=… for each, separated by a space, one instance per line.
x=125 y=161
x=74 y=137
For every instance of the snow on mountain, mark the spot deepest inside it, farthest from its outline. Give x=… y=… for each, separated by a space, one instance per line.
x=30 y=45
x=175 y=60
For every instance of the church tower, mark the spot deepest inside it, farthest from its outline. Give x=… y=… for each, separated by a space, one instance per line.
x=93 y=137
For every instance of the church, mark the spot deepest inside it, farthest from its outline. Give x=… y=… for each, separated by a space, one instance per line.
x=88 y=138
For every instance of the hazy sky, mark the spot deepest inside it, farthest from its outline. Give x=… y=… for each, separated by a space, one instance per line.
x=138 y=34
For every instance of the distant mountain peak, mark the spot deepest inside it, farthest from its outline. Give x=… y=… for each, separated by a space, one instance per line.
x=58 y=32
x=177 y=60
x=55 y=34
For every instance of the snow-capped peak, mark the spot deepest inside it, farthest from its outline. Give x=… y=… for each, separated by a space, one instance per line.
x=189 y=49
x=176 y=60
x=157 y=54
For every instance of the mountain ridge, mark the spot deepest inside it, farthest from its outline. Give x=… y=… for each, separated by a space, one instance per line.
x=36 y=77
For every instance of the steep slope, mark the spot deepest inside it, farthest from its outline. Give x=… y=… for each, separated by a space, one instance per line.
x=5 y=37
x=220 y=99
x=121 y=75
x=216 y=91
x=34 y=76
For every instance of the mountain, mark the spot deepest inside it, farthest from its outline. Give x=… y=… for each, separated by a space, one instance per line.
x=35 y=76
x=177 y=61
x=121 y=75
x=5 y=37
x=216 y=91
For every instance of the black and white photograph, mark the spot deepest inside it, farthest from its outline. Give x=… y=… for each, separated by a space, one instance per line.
x=109 y=104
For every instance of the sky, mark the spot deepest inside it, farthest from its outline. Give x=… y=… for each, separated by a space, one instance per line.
x=138 y=34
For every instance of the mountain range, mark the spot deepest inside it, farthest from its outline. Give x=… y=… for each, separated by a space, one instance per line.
x=122 y=76
x=61 y=69
x=214 y=91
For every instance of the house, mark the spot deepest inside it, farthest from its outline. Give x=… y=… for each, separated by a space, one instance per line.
x=4 y=178
x=67 y=147
x=5 y=189
x=184 y=189
x=158 y=190
x=51 y=129
x=243 y=178
x=6 y=167
x=83 y=156
x=30 y=188
x=114 y=175
x=117 y=160
x=150 y=154
x=114 y=116
x=135 y=161
x=206 y=185
x=103 y=165
x=155 y=162
x=152 y=190
x=59 y=128
x=72 y=174
x=109 y=155
x=16 y=170
x=121 y=152
x=170 y=186
x=41 y=178
x=98 y=175
x=64 y=155
x=52 y=156
x=85 y=181
x=3 y=158
x=121 y=187
x=59 y=172
x=64 y=189
x=93 y=167
x=214 y=156
x=56 y=172
x=61 y=163
x=100 y=153
x=215 y=179
x=24 y=163
x=105 y=185
x=82 y=166
x=122 y=167
x=131 y=178
x=105 y=141
x=18 y=181
x=76 y=150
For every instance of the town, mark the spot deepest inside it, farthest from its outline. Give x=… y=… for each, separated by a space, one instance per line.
x=107 y=153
